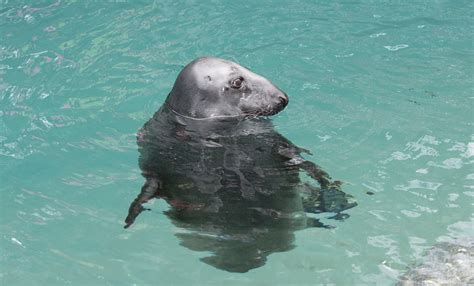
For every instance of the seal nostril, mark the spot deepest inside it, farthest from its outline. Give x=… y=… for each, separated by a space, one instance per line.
x=283 y=99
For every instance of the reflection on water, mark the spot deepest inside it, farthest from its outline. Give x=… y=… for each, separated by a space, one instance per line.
x=233 y=186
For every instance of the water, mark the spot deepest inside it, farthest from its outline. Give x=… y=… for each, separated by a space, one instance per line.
x=381 y=93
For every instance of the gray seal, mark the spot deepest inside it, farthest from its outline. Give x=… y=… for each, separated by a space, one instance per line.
x=231 y=180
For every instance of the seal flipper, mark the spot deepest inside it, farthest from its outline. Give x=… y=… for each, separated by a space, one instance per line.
x=317 y=173
x=292 y=152
x=331 y=199
x=314 y=222
x=149 y=190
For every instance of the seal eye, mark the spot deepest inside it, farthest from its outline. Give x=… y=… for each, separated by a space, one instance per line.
x=237 y=82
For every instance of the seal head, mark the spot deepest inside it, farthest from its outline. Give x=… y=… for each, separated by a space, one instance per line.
x=216 y=88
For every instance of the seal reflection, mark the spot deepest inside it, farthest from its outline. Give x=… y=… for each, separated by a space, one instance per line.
x=233 y=186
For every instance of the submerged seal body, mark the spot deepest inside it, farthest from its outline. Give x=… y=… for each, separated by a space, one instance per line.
x=232 y=181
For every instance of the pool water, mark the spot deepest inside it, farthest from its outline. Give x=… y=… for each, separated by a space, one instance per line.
x=381 y=92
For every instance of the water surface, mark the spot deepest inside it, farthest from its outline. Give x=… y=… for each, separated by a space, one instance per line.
x=380 y=92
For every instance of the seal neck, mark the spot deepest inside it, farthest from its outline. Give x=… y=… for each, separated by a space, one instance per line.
x=212 y=127
x=213 y=118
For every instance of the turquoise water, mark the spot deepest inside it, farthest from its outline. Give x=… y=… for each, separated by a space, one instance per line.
x=381 y=92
